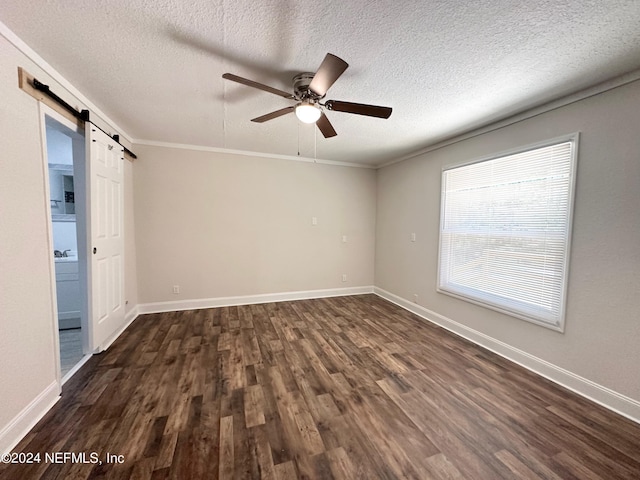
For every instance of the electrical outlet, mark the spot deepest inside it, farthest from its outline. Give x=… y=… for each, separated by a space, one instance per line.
x=344 y=239
x=176 y=289
x=413 y=237
x=344 y=277
x=415 y=298
x=314 y=220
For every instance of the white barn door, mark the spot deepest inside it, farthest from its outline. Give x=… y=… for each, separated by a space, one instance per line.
x=106 y=250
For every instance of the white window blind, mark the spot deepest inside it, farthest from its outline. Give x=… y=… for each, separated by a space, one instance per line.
x=505 y=229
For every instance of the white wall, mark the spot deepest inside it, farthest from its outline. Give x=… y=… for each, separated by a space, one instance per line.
x=602 y=333
x=27 y=335
x=221 y=225
x=27 y=353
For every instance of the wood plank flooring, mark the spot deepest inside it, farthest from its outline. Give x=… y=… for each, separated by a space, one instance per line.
x=344 y=388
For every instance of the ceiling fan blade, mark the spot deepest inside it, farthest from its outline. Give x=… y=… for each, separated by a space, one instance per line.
x=260 y=86
x=330 y=70
x=359 y=108
x=272 y=115
x=325 y=126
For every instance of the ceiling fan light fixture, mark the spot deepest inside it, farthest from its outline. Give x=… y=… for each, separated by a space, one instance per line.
x=308 y=112
x=308 y=90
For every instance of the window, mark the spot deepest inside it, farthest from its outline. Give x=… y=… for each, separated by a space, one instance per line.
x=505 y=227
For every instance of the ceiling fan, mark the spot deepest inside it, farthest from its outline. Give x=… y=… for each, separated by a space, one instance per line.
x=308 y=91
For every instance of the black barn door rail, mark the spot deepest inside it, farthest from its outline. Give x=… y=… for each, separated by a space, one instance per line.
x=83 y=115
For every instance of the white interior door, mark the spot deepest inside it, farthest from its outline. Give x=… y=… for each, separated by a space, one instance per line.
x=106 y=159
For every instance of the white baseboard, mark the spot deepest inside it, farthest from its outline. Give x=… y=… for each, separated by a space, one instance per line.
x=18 y=428
x=75 y=368
x=128 y=320
x=604 y=396
x=196 y=304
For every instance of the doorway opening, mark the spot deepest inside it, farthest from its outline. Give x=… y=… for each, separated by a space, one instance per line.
x=65 y=152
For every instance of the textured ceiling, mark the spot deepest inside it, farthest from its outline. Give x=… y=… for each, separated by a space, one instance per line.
x=155 y=66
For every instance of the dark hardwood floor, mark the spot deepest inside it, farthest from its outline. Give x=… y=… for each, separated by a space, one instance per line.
x=347 y=388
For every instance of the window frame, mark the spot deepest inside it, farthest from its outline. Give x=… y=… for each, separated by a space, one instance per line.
x=560 y=324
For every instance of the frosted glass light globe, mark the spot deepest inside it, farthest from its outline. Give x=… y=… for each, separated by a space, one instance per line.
x=308 y=113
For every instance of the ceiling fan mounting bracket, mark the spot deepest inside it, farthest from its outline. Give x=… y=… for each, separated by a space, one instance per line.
x=301 y=89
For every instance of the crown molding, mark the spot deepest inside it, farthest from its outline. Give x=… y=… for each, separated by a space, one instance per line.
x=530 y=113
x=17 y=42
x=619 y=81
x=248 y=153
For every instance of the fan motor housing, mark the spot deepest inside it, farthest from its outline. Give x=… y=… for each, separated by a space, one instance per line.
x=301 y=84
